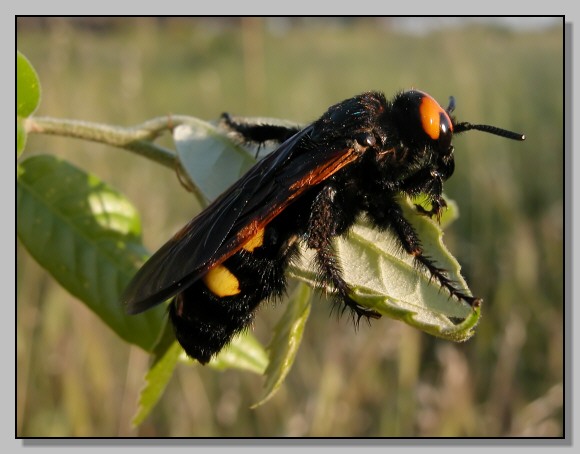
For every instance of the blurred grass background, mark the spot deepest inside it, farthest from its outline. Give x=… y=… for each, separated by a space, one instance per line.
x=76 y=378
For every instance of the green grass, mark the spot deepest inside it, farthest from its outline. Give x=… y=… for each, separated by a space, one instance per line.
x=75 y=378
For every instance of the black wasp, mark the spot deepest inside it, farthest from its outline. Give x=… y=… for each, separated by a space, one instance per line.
x=357 y=157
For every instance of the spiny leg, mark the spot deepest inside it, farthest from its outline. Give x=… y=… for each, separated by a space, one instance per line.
x=326 y=221
x=393 y=216
x=330 y=273
x=259 y=132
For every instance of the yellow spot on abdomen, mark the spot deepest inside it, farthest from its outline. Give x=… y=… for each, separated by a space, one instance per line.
x=256 y=241
x=221 y=282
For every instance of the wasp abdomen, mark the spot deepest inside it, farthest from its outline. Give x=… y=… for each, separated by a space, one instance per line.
x=222 y=303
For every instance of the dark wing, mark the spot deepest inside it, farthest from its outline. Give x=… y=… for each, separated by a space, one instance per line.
x=224 y=226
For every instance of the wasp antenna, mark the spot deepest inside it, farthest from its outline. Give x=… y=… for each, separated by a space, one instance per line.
x=461 y=127
x=451 y=106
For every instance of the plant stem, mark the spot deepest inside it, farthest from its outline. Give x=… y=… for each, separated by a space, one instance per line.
x=138 y=139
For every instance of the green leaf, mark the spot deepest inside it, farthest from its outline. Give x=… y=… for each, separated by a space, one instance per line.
x=87 y=236
x=286 y=341
x=27 y=97
x=20 y=135
x=244 y=352
x=165 y=357
x=27 y=87
x=212 y=161
x=386 y=279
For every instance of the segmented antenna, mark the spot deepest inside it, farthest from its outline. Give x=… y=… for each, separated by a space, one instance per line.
x=461 y=127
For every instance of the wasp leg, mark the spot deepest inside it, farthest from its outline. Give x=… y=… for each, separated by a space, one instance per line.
x=429 y=182
x=259 y=133
x=437 y=206
x=392 y=218
x=327 y=220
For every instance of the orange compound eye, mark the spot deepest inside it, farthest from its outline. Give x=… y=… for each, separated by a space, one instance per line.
x=434 y=119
